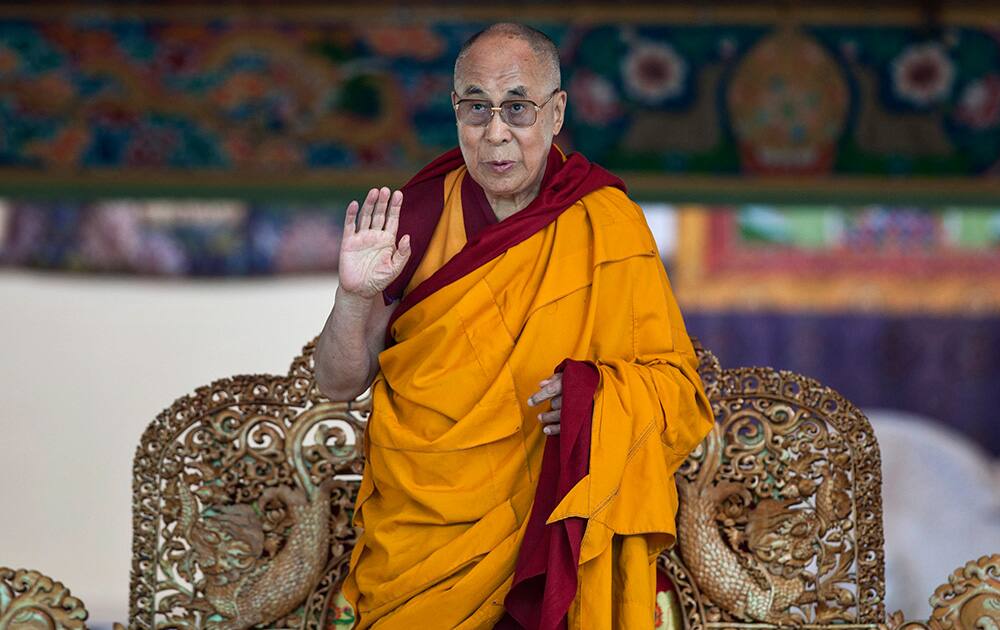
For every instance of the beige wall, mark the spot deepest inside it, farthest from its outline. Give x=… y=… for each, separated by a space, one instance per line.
x=85 y=365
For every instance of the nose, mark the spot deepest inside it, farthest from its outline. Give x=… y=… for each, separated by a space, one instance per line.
x=497 y=131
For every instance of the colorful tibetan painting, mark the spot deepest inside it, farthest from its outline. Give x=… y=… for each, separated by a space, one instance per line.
x=869 y=258
x=199 y=97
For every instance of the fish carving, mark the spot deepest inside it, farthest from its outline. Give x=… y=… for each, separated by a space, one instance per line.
x=228 y=544
x=732 y=580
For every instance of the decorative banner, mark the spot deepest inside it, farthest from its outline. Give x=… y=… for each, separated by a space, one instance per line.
x=198 y=98
x=789 y=258
x=172 y=238
x=836 y=259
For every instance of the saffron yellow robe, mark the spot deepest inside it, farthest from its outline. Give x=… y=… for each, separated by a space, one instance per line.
x=453 y=450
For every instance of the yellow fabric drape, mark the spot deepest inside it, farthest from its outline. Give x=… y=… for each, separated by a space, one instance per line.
x=453 y=451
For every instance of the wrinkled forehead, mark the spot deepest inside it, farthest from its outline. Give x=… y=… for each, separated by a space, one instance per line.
x=500 y=69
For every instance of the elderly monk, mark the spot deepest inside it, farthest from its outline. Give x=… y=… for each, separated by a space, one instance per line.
x=533 y=386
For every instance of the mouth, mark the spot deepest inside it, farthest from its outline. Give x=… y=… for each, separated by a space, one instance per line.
x=500 y=166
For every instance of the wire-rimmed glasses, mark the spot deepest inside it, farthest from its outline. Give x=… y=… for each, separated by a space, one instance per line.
x=477 y=112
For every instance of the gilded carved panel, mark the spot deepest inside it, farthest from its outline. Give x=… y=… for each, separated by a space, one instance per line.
x=243 y=496
x=780 y=519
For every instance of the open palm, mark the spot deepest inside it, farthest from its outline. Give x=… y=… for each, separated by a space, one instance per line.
x=369 y=256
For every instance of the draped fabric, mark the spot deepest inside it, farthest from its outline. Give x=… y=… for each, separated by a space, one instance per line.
x=545 y=578
x=471 y=516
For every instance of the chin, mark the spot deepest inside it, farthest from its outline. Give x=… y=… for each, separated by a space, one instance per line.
x=500 y=185
x=498 y=189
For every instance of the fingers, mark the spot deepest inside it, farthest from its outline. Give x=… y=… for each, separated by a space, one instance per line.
x=380 y=210
x=551 y=421
x=365 y=221
x=549 y=388
x=381 y=203
x=392 y=221
x=549 y=417
x=350 y=221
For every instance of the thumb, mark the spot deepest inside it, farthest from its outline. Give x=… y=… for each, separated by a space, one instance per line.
x=402 y=254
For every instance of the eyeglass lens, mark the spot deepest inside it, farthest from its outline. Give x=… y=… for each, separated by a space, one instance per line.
x=515 y=113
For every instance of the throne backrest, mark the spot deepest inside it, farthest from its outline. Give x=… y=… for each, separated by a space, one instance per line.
x=237 y=490
x=237 y=485
x=780 y=519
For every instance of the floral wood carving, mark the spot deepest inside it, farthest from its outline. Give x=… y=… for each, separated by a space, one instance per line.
x=780 y=518
x=32 y=601
x=970 y=600
x=243 y=495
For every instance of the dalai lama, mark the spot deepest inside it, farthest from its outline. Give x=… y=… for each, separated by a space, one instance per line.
x=533 y=386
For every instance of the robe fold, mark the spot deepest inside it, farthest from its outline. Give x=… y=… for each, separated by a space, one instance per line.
x=471 y=516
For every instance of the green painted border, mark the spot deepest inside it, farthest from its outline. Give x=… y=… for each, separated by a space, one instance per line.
x=642 y=187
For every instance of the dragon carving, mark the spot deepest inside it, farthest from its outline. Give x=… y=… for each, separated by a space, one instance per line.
x=747 y=553
x=248 y=579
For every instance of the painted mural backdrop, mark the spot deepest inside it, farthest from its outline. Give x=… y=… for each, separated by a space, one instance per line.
x=283 y=96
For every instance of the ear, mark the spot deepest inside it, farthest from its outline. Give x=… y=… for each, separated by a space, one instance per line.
x=454 y=105
x=558 y=111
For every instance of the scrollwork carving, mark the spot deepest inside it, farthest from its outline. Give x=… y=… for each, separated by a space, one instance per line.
x=243 y=495
x=969 y=600
x=780 y=519
x=32 y=601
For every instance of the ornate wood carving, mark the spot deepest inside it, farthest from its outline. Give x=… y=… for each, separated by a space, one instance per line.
x=780 y=519
x=969 y=600
x=243 y=495
x=32 y=601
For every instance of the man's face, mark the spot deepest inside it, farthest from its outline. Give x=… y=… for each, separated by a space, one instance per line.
x=508 y=162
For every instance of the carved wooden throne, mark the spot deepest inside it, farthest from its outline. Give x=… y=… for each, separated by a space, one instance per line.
x=243 y=495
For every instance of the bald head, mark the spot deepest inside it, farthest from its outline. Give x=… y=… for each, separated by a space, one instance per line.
x=501 y=34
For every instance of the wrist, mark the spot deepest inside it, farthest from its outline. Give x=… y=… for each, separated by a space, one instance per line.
x=354 y=297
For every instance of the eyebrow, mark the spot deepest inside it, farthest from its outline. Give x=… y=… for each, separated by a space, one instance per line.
x=519 y=90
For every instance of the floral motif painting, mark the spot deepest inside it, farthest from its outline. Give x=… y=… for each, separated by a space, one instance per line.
x=289 y=98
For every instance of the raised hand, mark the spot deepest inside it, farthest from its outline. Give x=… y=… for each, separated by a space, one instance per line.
x=369 y=257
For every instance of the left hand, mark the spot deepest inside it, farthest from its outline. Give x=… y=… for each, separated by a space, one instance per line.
x=549 y=389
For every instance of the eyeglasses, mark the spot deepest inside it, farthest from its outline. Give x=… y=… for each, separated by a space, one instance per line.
x=476 y=112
